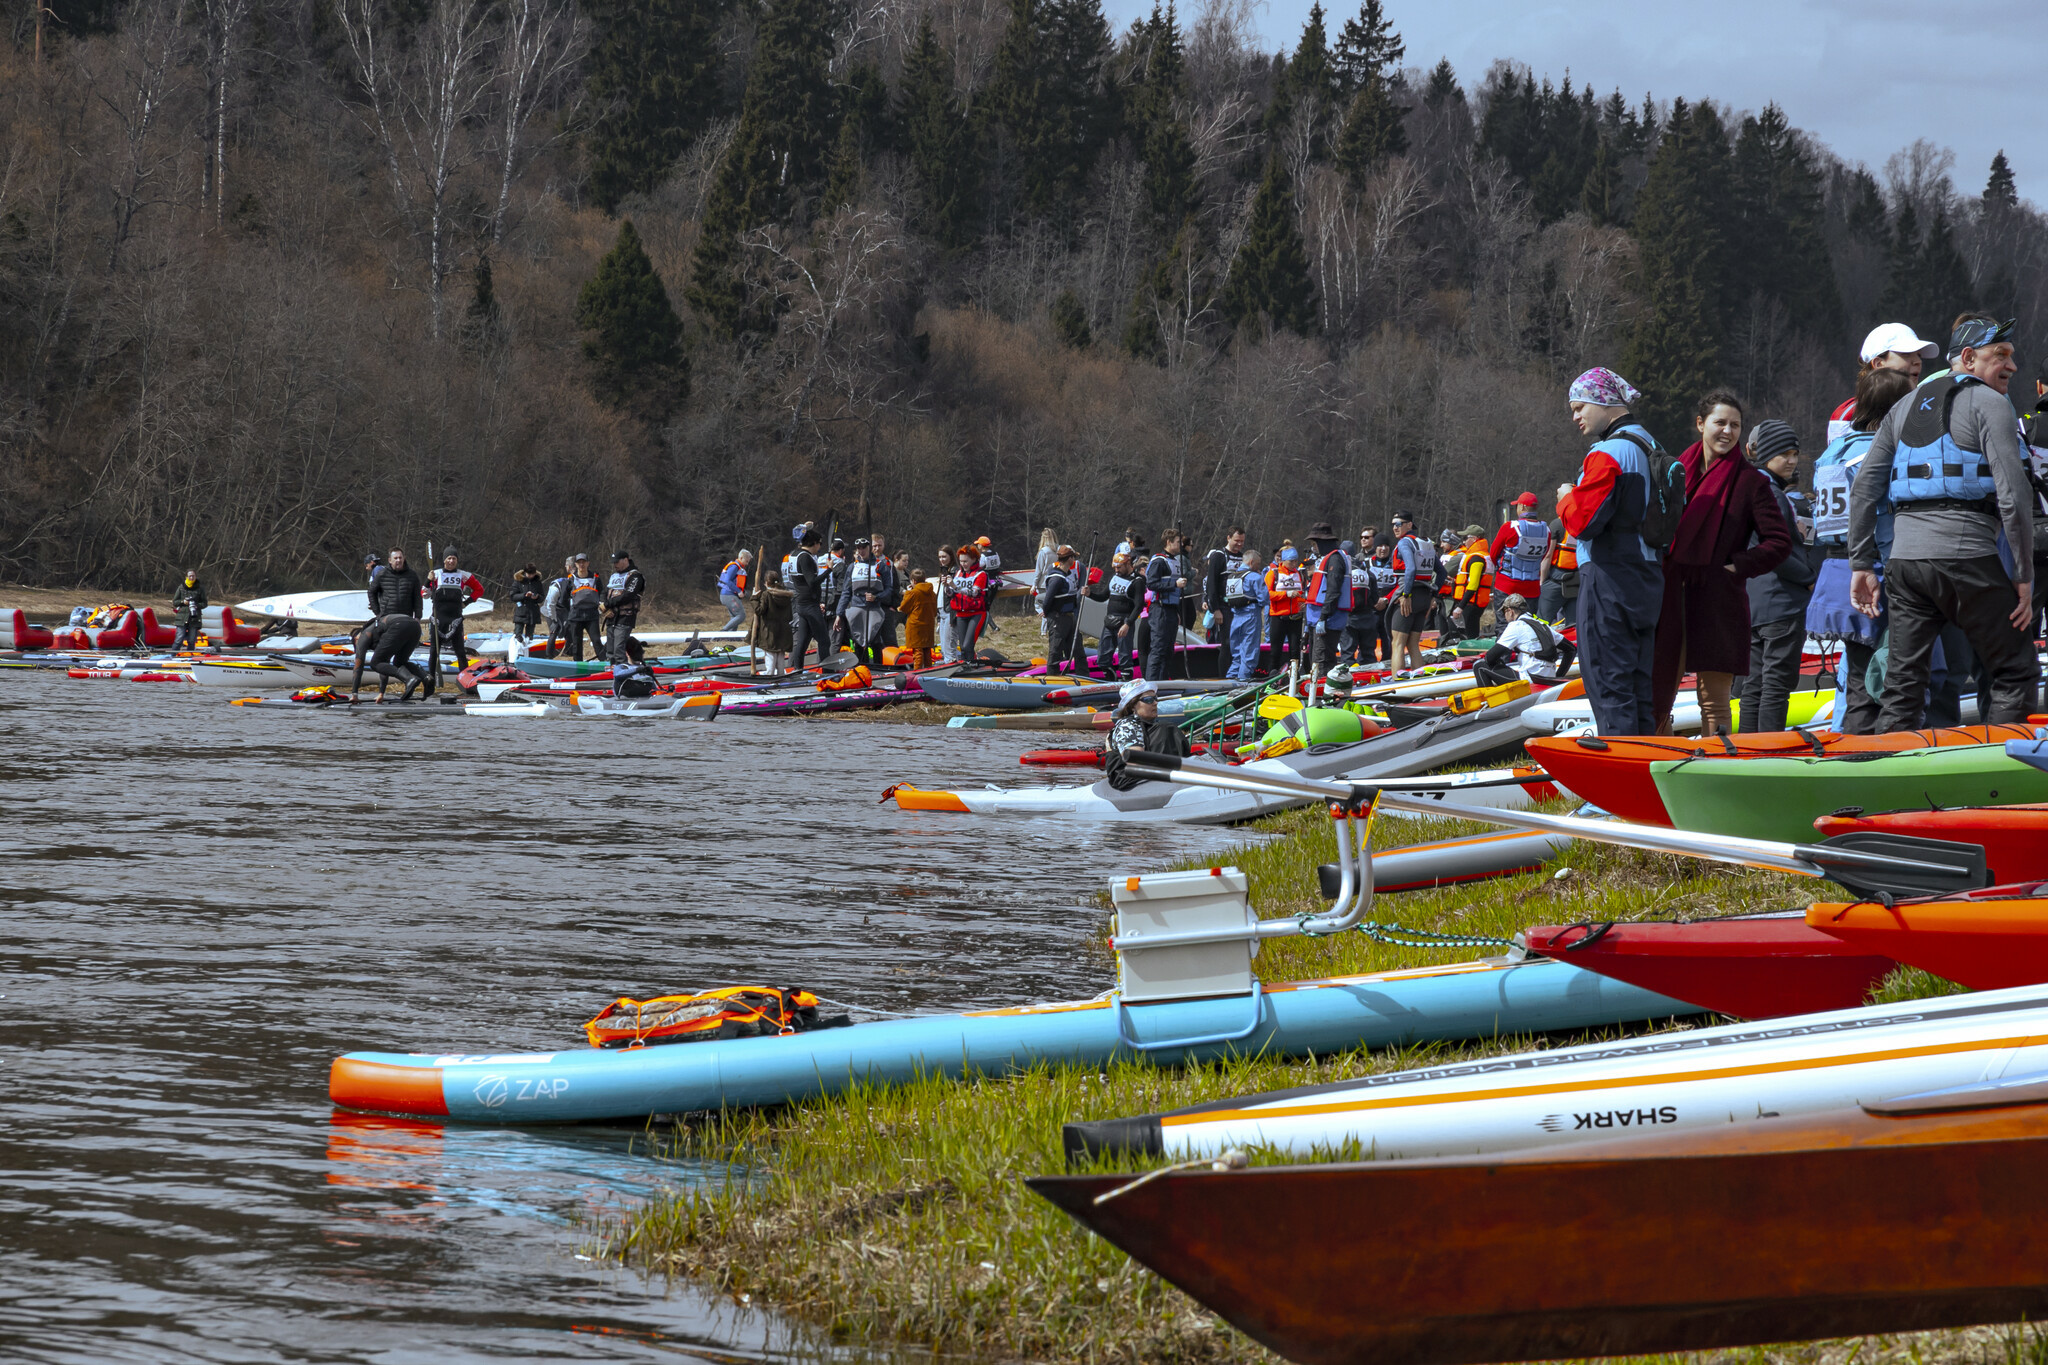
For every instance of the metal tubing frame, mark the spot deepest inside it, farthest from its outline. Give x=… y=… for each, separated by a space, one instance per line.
x=1805 y=860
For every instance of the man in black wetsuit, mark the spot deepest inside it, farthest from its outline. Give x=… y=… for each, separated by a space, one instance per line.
x=387 y=642
x=1138 y=726
x=452 y=588
x=622 y=603
x=806 y=610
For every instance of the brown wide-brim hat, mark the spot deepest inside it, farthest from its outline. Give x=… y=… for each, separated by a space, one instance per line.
x=1321 y=531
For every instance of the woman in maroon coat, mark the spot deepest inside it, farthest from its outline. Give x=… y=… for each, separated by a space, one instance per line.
x=1704 y=626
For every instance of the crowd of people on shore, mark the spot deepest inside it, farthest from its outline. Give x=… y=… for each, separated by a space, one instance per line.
x=1907 y=540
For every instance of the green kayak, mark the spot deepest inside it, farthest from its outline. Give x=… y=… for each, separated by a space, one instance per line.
x=1780 y=798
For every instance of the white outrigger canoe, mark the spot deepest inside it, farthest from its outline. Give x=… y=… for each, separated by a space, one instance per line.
x=1955 y=1051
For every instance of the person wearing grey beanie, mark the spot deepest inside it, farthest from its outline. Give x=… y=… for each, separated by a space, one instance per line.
x=1777 y=600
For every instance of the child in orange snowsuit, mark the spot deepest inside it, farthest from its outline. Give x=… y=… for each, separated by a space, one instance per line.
x=920 y=620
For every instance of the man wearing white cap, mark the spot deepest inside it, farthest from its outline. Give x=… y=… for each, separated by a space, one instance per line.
x=1890 y=346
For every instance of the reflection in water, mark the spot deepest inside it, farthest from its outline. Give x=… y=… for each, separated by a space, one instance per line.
x=200 y=905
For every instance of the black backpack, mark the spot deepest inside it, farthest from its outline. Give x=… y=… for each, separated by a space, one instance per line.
x=1666 y=500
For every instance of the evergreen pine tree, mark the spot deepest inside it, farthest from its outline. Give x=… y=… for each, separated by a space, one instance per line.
x=776 y=158
x=1865 y=217
x=944 y=154
x=1048 y=101
x=1674 y=355
x=1946 y=288
x=1900 y=301
x=1070 y=320
x=483 y=323
x=1369 y=48
x=1305 y=98
x=843 y=177
x=2000 y=191
x=652 y=74
x=1443 y=85
x=1175 y=291
x=1600 y=195
x=1269 y=286
x=1372 y=132
x=635 y=342
x=1778 y=230
x=1513 y=126
x=1155 y=116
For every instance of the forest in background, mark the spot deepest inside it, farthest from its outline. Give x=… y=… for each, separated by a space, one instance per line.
x=283 y=281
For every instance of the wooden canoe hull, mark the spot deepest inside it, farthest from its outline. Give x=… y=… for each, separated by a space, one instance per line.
x=1652 y=1247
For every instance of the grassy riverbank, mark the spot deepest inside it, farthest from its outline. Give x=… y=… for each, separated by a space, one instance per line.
x=900 y=1214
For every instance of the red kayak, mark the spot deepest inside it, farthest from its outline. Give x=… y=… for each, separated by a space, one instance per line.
x=1986 y=940
x=2014 y=838
x=1061 y=758
x=1613 y=772
x=1757 y=967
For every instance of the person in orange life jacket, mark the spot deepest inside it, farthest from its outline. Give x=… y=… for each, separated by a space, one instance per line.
x=970 y=593
x=865 y=600
x=805 y=581
x=1474 y=588
x=622 y=594
x=1218 y=566
x=1166 y=579
x=583 y=605
x=451 y=588
x=1526 y=649
x=1558 y=599
x=732 y=588
x=1889 y=346
x=631 y=677
x=1286 y=588
x=1245 y=594
x=1327 y=608
x=1518 y=550
x=1138 y=726
x=1413 y=593
x=1059 y=598
x=1621 y=582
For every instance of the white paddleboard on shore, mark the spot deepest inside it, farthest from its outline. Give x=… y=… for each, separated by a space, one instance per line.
x=347 y=607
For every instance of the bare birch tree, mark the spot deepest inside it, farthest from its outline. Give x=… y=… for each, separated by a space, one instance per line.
x=543 y=40
x=418 y=100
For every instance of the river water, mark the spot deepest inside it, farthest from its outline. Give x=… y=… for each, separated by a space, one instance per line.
x=202 y=904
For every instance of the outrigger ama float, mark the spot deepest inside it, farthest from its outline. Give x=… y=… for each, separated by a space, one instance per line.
x=1186 y=943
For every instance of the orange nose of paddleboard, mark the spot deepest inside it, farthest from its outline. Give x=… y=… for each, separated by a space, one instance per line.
x=386 y=1089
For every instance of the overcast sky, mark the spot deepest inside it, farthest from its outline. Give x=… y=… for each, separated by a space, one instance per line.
x=1866 y=77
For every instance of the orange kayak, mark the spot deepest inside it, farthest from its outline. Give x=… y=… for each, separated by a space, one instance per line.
x=2014 y=838
x=1993 y=939
x=1614 y=772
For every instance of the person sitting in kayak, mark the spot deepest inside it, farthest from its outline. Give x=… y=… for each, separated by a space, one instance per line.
x=1527 y=649
x=631 y=676
x=1138 y=726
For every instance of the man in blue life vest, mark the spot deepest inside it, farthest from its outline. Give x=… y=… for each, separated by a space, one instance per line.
x=732 y=588
x=1245 y=595
x=1519 y=549
x=1948 y=456
x=1621 y=582
x=1329 y=595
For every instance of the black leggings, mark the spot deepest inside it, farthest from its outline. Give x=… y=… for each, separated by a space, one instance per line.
x=389 y=653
